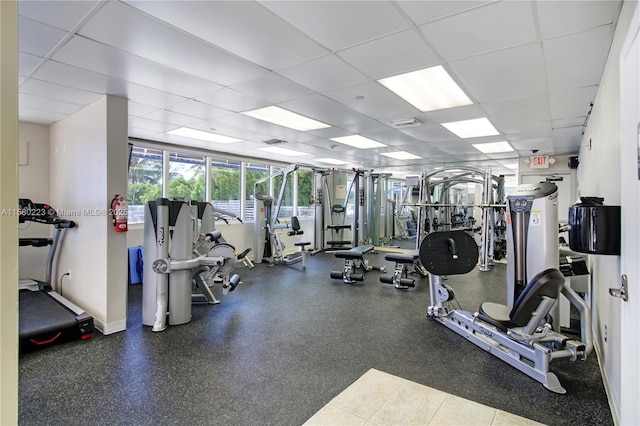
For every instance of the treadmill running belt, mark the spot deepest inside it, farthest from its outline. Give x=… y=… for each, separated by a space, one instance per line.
x=41 y=314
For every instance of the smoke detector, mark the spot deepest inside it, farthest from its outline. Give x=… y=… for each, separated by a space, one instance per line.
x=407 y=122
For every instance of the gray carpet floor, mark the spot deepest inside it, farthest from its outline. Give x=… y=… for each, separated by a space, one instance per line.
x=280 y=347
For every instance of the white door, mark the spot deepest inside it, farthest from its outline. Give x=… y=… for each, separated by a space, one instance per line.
x=630 y=202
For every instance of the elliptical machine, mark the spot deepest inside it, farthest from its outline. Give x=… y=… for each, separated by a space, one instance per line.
x=521 y=334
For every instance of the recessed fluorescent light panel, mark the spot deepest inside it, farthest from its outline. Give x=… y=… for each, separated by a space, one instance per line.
x=475 y=128
x=202 y=135
x=282 y=117
x=429 y=89
x=283 y=151
x=331 y=161
x=493 y=147
x=358 y=141
x=401 y=155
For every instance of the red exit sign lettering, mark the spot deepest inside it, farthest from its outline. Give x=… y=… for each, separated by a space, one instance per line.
x=539 y=162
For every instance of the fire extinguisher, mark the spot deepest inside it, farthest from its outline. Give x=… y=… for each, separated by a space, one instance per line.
x=119 y=213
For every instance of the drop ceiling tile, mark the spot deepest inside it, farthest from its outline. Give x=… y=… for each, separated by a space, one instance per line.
x=36 y=38
x=492 y=27
x=27 y=63
x=569 y=137
x=324 y=73
x=79 y=78
x=228 y=130
x=241 y=121
x=391 y=55
x=325 y=110
x=60 y=14
x=510 y=106
x=572 y=103
x=153 y=125
x=136 y=110
x=338 y=25
x=58 y=92
x=393 y=137
x=170 y=117
x=96 y=57
x=421 y=12
x=272 y=88
x=45 y=118
x=232 y=100
x=577 y=60
x=527 y=146
x=198 y=109
x=510 y=73
x=467 y=112
x=523 y=122
x=365 y=125
x=565 y=17
x=377 y=101
x=45 y=104
x=146 y=37
x=432 y=133
x=247 y=29
x=568 y=122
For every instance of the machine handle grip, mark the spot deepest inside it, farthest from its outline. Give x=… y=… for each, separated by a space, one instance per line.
x=452 y=248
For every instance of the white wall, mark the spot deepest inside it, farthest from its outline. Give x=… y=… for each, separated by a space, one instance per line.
x=599 y=174
x=33 y=183
x=88 y=167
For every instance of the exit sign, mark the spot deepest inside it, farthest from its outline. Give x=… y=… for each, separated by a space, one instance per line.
x=539 y=162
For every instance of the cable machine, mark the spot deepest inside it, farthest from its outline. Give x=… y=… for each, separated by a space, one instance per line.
x=492 y=190
x=338 y=195
x=268 y=245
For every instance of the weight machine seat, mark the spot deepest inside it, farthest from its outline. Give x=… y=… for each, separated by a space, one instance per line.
x=301 y=243
x=547 y=283
x=354 y=253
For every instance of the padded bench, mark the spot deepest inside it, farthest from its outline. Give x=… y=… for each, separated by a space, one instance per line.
x=400 y=278
x=354 y=259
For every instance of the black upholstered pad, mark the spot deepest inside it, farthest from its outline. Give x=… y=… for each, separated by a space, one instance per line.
x=547 y=283
x=401 y=257
x=437 y=251
x=496 y=315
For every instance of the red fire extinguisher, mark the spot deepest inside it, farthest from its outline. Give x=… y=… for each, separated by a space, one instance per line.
x=119 y=213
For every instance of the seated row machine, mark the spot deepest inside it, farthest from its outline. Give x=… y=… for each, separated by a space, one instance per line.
x=354 y=260
x=521 y=336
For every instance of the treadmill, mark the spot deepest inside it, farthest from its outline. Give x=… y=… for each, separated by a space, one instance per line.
x=45 y=316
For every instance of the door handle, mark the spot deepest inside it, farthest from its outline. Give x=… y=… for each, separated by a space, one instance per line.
x=622 y=291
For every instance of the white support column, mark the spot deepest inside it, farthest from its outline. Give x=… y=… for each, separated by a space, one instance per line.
x=9 y=223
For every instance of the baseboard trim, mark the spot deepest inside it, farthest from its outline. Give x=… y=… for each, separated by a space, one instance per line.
x=110 y=328
x=607 y=387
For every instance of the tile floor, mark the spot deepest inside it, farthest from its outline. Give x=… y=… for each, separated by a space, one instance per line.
x=378 y=398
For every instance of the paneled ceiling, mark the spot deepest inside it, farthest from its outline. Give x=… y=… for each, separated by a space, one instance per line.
x=531 y=67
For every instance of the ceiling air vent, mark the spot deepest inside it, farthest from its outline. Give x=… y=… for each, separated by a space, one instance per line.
x=407 y=122
x=274 y=141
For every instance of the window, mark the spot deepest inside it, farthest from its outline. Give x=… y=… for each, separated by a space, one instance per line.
x=225 y=185
x=186 y=177
x=145 y=181
x=286 y=204
x=254 y=173
x=305 y=192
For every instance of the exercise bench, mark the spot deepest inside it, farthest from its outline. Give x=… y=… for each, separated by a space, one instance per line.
x=353 y=260
x=400 y=278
